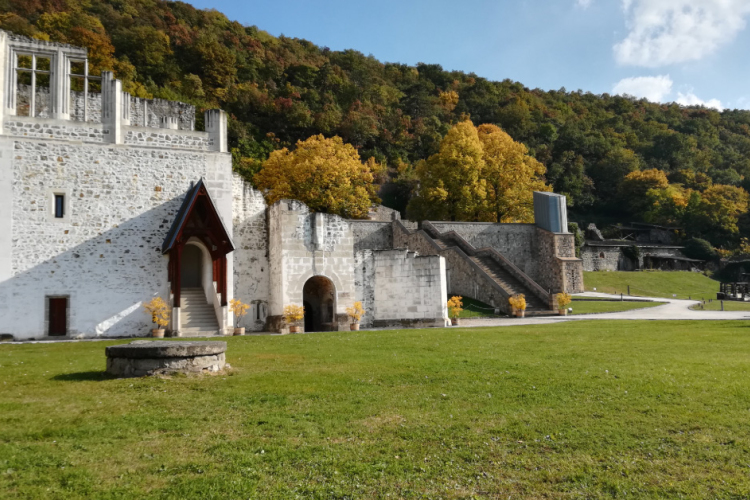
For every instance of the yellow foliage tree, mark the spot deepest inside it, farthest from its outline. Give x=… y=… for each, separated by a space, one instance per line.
x=451 y=187
x=721 y=206
x=518 y=302
x=480 y=173
x=293 y=313
x=356 y=312
x=455 y=306
x=325 y=174
x=634 y=188
x=158 y=310
x=511 y=177
x=239 y=309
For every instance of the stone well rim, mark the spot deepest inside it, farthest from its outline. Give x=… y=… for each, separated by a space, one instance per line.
x=145 y=349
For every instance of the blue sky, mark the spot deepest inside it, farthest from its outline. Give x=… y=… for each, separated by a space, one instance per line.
x=688 y=51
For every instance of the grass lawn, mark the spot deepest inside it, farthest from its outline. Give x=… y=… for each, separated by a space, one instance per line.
x=605 y=306
x=476 y=309
x=653 y=283
x=729 y=305
x=607 y=409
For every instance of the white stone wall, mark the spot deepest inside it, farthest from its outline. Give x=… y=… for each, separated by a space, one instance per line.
x=251 y=266
x=305 y=244
x=409 y=289
x=105 y=254
x=55 y=129
x=165 y=138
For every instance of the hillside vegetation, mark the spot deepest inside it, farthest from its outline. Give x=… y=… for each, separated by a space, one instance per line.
x=279 y=90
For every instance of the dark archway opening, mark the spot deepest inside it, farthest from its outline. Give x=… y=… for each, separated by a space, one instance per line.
x=319 y=299
x=191 y=267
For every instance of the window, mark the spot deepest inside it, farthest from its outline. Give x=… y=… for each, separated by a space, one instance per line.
x=59 y=206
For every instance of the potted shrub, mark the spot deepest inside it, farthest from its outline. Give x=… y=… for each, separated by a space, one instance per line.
x=159 y=312
x=455 y=306
x=355 y=312
x=518 y=303
x=563 y=299
x=239 y=310
x=292 y=315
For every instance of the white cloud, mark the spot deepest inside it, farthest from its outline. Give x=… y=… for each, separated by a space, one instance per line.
x=653 y=88
x=690 y=99
x=659 y=89
x=584 y=4
x=662 y=32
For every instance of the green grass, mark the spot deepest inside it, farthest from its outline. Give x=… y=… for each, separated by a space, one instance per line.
x=605 y=306
x=476 y=309
x=684 y=284
x=606 y=409
x=729 y=305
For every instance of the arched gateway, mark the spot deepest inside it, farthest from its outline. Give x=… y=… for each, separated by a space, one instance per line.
x=319 y=298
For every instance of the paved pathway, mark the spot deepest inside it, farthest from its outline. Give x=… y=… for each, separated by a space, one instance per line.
x=674 y=309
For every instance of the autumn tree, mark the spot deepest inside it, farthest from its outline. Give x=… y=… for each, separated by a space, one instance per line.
x=480 y=173
x=325 y=174
x=450 y=182
x=634 y=188
x=720 y=209
x=510 y=176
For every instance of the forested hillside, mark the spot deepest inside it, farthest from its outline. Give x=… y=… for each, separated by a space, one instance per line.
x=280 y=90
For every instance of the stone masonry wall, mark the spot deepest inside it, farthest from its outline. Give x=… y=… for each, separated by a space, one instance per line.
x=601 y=258
x=165 y=138
x=304 y=244
x=409 y=290
x=517 y=242
x=105 y=253
x=558 y=268
x=156 y=109
x=251 y=266
x=372 y=235
x=364 y=284
x=42 y=104
x=462 y=278
x=55 y=129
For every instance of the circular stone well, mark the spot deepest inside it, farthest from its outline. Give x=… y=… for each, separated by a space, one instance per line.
x=144 y=357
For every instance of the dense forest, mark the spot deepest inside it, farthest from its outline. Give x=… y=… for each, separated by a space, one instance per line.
x=279 y=90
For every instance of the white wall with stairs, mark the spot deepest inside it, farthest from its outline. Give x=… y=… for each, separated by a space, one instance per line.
x=197 y=315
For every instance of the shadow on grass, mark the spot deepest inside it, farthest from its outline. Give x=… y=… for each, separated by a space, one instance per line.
x=94 y=376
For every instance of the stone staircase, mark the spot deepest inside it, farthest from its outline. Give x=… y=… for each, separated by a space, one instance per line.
x=197 y=316
x=509 y=283
x=497 y=271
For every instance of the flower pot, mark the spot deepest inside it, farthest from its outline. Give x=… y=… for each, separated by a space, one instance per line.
x=454 y=321
x=563 y=312
x=157 y=333
x=354 y=327
x=520 y=313
x=293 y=329
x=239 y=331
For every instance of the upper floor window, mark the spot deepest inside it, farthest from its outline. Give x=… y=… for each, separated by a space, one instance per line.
x=59 y=206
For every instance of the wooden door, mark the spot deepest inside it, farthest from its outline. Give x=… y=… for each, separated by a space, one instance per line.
x=58 y=316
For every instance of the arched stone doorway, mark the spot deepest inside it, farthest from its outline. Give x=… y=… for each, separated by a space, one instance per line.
x=191 y=267
x=319 y=299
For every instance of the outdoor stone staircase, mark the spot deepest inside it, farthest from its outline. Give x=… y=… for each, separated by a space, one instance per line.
x=197 y=316
x=496 y=273
x=508 y=282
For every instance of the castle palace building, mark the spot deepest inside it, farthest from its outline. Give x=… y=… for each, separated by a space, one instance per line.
x=108 y=200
